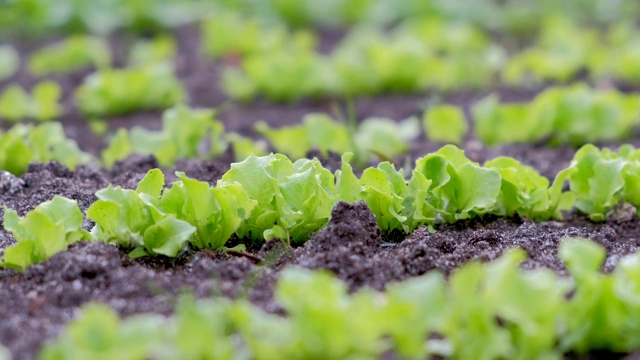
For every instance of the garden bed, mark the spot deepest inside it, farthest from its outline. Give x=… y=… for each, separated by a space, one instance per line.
x=36 y=304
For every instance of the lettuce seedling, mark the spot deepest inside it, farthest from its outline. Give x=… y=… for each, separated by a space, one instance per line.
x=445 y=123
x=111 y=92
x=317 y=131
x=396 y=204
x=9 y=61
x=42 y=232
x=460 y=188
x=598 y=180
x=98 y=333
x=135 y=220
x=42 y=105
x=293 y=199
x=378 y=136
x=23 y=144
x=527 y=193
x=182 y=134
x=231 y=33
x=146 y=52
x=74 y=53
x=497 y=123
x=216 y=212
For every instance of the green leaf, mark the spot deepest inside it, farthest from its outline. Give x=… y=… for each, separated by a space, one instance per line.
x=152 y=183
x=445 y=123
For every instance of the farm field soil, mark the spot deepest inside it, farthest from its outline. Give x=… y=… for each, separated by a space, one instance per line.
x=34 y=305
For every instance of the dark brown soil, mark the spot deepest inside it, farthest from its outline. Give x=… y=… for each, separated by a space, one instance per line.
x=34 y=305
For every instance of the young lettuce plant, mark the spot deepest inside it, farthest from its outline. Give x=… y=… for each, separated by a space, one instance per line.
x=23 y=144
x=74 y=53
x=135 y=220
x=378 y=136
x=9 y=61
x=527 y=193
x=42 y=105
x=216 y=212
x=293 y=199
x=598 y=180
x=460 y=188
x=445 y=123
x=111 y=92
x=183 y=131
x=42 y=232
x=397 y=205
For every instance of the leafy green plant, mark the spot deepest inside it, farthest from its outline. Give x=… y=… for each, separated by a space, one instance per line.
x=561 y=52
x=528 y=193
x=183 y=131
x=293 y=199
x=575 y=115
x=42 y=232
x=41 y=105
x=98 y=333
x=231 y=33
x=445 y=123
x=74 y=53
x=159 y=49
x=216 y=212
x=23 y=144
x=9 y=61
x=396 y=204
x=134 y=219
x=374 y=136
x=243 y=147
x=282 y=75
x=600 y=178
x=460 y=188
x=485 y=311
x=112 y=92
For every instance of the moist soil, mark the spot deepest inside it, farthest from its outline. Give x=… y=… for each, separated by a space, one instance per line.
x=34 y=305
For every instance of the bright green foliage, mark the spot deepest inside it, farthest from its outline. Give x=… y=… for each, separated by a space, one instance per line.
x=460 y=188
x=43 y=232
x=527 y=193
x=112 y=92
x=385 y=137
x=243 y=146
x=9 y=61
x=560 y=53
x=119 y=148
x=183 y=131
x=23 y=144
x=378 y=136
x=134 y=219
x=231 y=33
x=41 y=105
x=317 y=131
x=99 y=334
x=74 y=53
x=397 y=205
x=575 y=115
x=596 y=298
x=145 y=52
x=620 y=57
x=293 y=199
x=445 y=123
x=599 y=180
x=484 y=311
x=216 y=212
x=282 y=75
x=364 y=63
